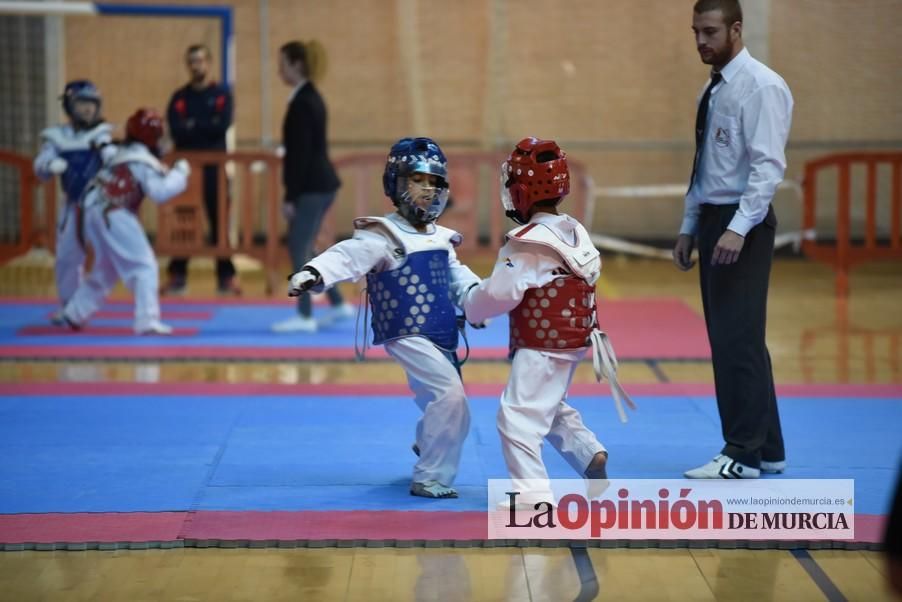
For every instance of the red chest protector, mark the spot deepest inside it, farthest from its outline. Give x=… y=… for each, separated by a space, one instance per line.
x=121 y=188
x=558 y=316
x=562 y=314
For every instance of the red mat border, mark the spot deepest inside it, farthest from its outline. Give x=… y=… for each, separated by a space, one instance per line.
x=96 y=331
x=169 y=314
x=393 y=389
x=277 y=526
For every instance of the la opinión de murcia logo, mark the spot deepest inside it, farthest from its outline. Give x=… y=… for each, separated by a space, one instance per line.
x=574 y=512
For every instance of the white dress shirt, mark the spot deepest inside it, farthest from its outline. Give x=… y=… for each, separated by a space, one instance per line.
x=743 y=158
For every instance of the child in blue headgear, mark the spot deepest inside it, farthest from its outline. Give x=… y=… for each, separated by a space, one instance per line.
x=72 y=151
x=414 y=284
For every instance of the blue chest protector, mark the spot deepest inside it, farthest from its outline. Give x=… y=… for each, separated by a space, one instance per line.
x=414 y=300
x=83 y=165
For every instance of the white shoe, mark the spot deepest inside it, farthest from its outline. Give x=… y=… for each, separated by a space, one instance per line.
x=155 y=327
x=773 y=467
x=295 y=324
x=338 y=313
x=723 y=467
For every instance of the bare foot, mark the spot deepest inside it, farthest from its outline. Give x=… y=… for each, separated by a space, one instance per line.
x=598 y=467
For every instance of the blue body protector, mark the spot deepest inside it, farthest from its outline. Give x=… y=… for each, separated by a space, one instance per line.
x=414 y=300
x=83 y=166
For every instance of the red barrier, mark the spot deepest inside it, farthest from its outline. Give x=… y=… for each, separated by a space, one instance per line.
x=844 y=252
x=35 y=228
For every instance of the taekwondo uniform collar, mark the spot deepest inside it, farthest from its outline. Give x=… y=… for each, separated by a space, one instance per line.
x=405 y=226
x=543 y=217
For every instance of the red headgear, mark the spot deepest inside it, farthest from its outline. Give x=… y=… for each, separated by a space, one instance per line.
x=535 y=171
x=145 y=126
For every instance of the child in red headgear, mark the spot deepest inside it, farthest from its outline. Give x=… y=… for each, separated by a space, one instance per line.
x=545 y=279
x=111 y=225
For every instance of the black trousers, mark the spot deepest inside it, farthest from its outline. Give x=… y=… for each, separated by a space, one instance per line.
x=225 y=269
x=735 y=303
x=310 y=209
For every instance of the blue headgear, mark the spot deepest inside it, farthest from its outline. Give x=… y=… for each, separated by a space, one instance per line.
x=80 y=89
x=407 y=156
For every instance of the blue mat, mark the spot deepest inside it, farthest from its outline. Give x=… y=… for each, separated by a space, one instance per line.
x=228 y=325
x=158 y=453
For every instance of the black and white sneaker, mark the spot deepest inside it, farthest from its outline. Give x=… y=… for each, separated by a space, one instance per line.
x=723 y=467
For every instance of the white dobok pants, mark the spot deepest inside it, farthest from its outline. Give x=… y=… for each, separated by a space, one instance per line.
x=534 y=407
x=121 y=251
x=70 y=256
x=439 y=393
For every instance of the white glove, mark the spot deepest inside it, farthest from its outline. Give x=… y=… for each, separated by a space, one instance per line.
x=57 y=165
x=301 y=281
x=102 y=139
x=183 y=166
x=107 y=152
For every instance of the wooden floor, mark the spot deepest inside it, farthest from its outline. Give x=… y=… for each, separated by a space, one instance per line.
x=812 y=339
x=429 y=574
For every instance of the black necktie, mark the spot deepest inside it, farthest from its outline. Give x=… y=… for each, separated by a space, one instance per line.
x=701 y=122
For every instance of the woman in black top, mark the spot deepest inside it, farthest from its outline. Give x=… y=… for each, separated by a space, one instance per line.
x=308 y=176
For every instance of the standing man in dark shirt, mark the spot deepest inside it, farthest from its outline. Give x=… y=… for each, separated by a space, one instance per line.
x=199 y=115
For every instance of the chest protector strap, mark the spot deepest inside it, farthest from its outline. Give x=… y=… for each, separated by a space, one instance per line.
x=580 y=255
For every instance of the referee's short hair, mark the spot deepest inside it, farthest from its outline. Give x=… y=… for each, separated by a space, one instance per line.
x=731 y=9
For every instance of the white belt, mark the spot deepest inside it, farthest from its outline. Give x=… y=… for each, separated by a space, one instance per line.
x=605 y=363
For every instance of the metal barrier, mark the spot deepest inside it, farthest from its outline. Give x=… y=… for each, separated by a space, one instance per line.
x=606 y=242
x=845 y=252
x=36 y=224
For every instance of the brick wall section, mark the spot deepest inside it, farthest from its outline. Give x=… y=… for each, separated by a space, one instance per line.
x=614 y=81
